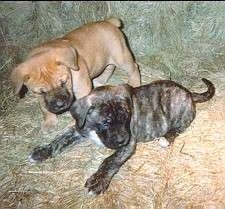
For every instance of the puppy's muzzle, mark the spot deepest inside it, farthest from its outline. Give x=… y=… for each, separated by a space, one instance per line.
x=58 y=100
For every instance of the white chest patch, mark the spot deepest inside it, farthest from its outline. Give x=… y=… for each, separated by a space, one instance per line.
x=94 y=137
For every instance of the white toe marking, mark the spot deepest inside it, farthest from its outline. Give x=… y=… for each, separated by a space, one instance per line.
x=91 y=194
x=31 y=160
x=163 y=142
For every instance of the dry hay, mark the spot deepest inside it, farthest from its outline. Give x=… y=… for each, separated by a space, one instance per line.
x=188 y=175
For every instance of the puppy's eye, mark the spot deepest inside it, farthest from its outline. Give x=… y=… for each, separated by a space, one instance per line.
x=108 y=120
x=105 y=124
x=42 y=91
x=63 y=83
x=100 y=127
x=58 y=63
x=90 y=110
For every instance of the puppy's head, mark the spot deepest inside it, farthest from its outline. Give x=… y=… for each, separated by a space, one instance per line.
x=107 y=111
x=47 y=73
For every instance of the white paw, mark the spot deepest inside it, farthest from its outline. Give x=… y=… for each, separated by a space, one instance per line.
x=31 y=160
x=163 y=142
x=91 y=194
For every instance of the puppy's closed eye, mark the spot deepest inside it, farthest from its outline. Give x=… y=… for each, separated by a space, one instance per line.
x=40 y=90
x=63 y=83
x=102 y=126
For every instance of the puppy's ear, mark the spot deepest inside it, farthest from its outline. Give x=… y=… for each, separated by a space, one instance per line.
x=19 y=76
x=69 y=59
x=79 y=111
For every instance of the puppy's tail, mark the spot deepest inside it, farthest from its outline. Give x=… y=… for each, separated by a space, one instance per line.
x=203 y=97
x=42 y=153
x=115 y=21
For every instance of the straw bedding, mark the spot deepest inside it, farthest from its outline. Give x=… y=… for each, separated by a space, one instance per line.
x=187 y=175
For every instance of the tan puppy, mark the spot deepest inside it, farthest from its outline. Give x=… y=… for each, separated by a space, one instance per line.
x=62 y=69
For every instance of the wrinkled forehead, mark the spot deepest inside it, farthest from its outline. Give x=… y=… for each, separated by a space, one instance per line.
x=106 y=108
x=108 y=95
x=46 y=68
x=111 y=108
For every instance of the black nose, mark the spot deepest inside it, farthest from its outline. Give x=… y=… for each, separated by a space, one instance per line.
x=60 y=103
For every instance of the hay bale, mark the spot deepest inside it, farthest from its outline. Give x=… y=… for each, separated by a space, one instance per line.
x=181 y=40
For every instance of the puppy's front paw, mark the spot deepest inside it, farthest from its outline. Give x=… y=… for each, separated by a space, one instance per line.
x=40 y=154
x=163 y=142
x=97 y=183
x=49 y=124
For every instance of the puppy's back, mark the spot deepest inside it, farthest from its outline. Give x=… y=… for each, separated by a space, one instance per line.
x=96 y=32
x=99 y=43
x=162 y=106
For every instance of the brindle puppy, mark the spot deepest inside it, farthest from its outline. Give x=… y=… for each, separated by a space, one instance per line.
x=119 y=117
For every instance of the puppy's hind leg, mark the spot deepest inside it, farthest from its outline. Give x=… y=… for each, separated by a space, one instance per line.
x=126 y=62
x=104 y=77
x=42 y=153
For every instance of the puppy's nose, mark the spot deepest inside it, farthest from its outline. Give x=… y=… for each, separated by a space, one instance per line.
x=60 y=103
